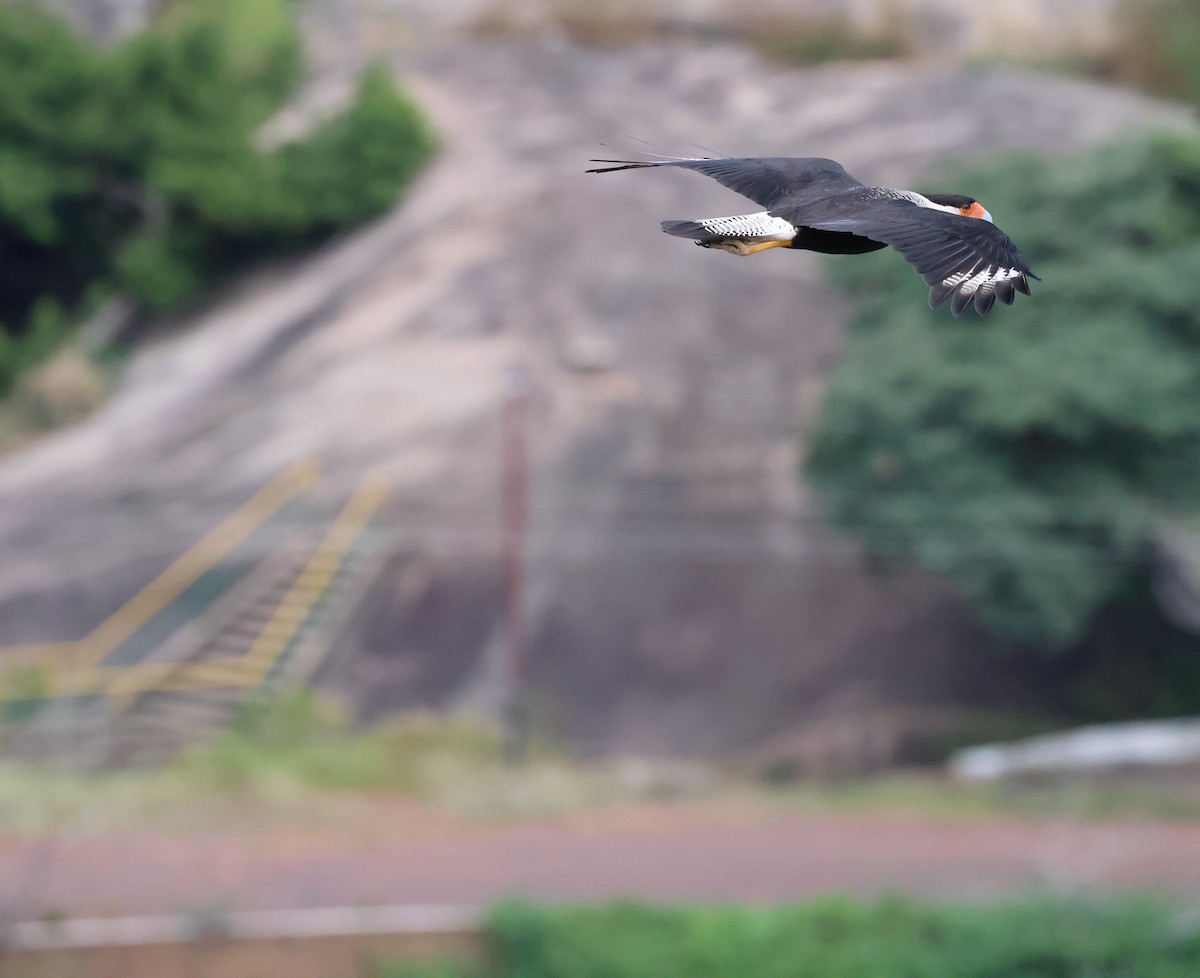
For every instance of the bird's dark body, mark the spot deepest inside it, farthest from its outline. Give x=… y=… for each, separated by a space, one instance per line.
x=813 y=204
x=834 y=242
x=806 y=239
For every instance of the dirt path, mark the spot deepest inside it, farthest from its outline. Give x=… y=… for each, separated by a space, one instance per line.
x=709 y=851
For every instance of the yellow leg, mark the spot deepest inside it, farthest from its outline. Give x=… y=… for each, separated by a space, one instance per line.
x=764 y=245
x=738 y=247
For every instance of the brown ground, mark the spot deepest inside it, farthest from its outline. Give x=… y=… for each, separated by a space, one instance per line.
x=696 y=851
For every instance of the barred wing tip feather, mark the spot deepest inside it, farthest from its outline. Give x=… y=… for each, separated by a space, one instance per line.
x=981 y=286
x=963 y=259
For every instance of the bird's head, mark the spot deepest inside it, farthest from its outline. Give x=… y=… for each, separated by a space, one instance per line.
x=957 y=203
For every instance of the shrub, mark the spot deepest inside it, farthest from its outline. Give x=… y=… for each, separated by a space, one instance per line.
x=836 y=937
x=816 y=40
x=1024 y=456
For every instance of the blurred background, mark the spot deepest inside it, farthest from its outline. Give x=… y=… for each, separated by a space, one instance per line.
x=393 y=521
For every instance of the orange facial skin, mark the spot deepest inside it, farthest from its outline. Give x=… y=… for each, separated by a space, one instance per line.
x=974 y=209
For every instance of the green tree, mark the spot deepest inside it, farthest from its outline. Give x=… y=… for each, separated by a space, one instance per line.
x=136 y=169
x=1025 y=456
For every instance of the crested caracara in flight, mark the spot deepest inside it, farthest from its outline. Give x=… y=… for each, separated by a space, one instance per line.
x=813 y=204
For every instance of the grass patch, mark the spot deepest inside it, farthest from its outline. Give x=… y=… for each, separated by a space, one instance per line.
x=453 y=764
x=311 y=742
x=581 y=21
x=299 y=760
x=1166 y=797
x=816 y=40
x=606 y=25
x=300 y=757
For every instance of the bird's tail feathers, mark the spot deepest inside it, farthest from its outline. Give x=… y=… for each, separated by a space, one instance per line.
x=760 y=227
x=656 y=158
x=632 y=164
x=689 y=229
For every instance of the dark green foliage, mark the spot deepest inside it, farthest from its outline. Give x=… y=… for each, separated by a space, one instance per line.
x=1134 y=664
x=136 y=169
x=346 y=171
x=1024 y=455
x=47 y=328
x=839 y=938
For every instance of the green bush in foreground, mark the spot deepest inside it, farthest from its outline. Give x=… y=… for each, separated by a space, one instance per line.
x=837 y=938
x=1025 y=456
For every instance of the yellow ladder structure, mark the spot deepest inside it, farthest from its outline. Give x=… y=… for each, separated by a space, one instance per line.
x=253 y=668
x=82 y=657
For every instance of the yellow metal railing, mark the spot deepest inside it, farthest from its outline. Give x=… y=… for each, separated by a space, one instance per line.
x=313 y=581
x=122 y=684
x=75 y=666
x=281 y=628
x=188 y=568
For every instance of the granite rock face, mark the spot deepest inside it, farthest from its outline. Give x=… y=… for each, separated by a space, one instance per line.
x=683 y=593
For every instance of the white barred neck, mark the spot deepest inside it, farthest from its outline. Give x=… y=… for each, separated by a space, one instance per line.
x=922 y=201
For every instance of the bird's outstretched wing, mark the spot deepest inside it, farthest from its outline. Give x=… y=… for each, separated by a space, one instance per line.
x=965 y=259
x=765 y=180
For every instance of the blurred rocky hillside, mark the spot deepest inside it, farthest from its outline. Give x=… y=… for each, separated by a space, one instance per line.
x=683 y=593
x=1015 y=29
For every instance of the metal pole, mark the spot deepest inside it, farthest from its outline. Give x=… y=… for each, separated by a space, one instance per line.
x=515 y=515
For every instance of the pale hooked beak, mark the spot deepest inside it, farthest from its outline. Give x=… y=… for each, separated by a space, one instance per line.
x=977 y=211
